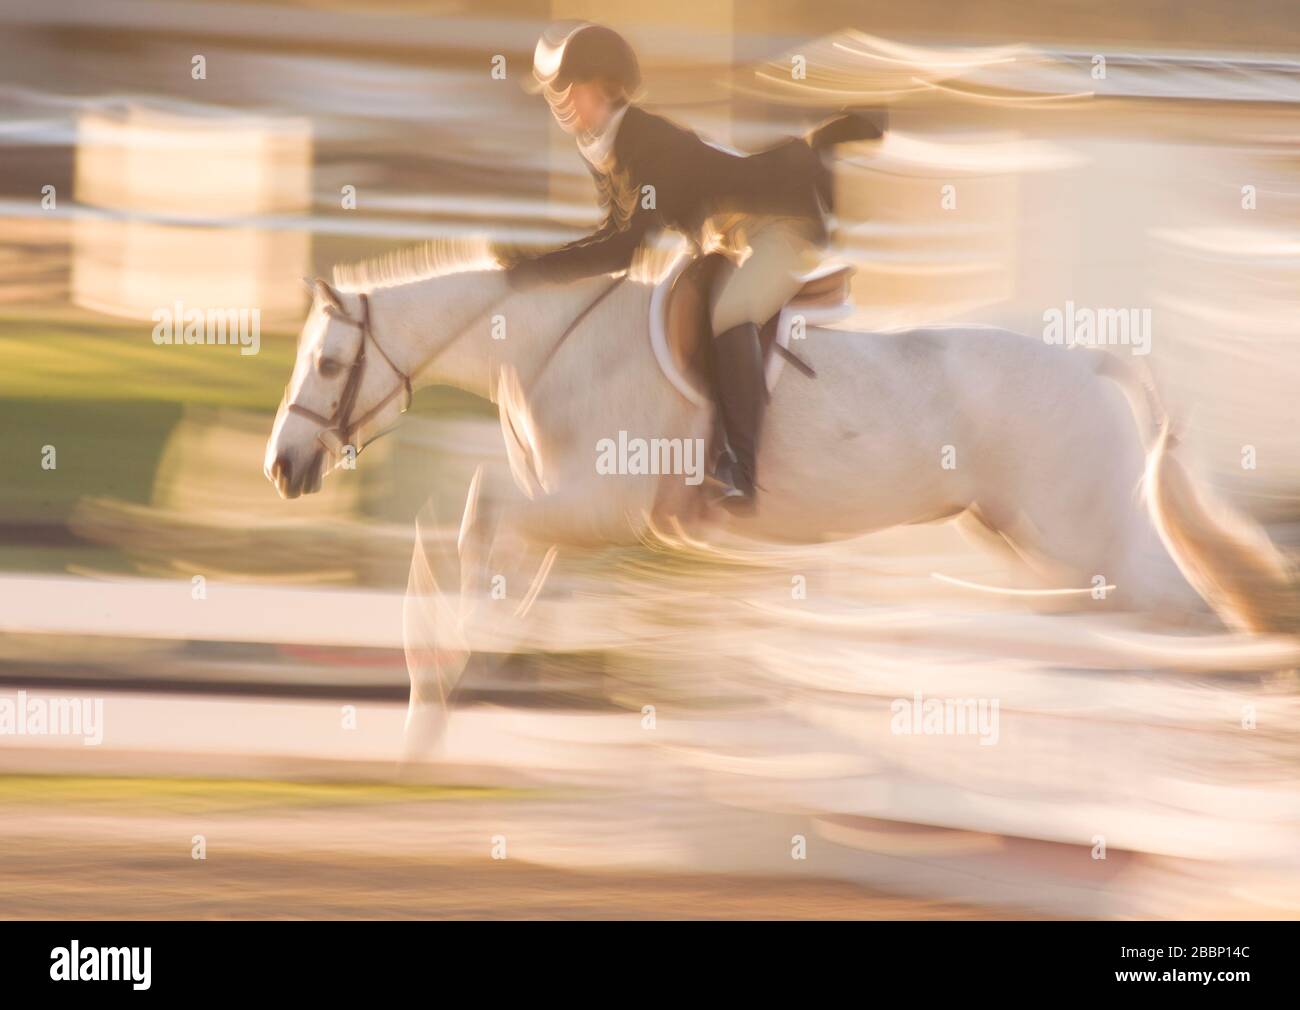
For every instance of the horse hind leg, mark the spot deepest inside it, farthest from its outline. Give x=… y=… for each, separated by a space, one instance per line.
x=1108 y=559
x=976 y=528
x=1150 y=579
x=1059 y=558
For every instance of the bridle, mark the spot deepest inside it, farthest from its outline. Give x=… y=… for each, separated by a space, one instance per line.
x=337 y=431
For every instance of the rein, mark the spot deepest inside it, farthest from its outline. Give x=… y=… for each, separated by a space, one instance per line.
x=337 y=430
x=577 y=321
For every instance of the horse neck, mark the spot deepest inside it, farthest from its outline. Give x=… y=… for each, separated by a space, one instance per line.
x=461 y=329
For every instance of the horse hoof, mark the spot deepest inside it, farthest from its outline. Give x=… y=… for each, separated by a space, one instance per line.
x=422 y=738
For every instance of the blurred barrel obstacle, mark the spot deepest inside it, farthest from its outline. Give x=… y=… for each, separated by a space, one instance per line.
x=192 y=206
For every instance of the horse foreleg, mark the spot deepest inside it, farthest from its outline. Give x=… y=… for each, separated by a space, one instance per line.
x=505 y=571
x=434 y=624
x=499 y=574
x=436 y=653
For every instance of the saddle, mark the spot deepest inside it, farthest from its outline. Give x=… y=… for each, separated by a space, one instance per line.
x=680 y=329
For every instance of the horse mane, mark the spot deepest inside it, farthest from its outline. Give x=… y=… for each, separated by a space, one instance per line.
x=434 y=258
x=442 y=256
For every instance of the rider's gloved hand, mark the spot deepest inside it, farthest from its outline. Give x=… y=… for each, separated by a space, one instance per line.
x=508 y=253
x=520 y=265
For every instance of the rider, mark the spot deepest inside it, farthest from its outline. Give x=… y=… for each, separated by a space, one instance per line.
x=766 y=212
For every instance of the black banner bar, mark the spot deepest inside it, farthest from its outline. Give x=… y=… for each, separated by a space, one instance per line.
x=330 y=959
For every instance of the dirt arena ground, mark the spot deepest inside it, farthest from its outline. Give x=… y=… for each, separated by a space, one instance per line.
x=68 y=861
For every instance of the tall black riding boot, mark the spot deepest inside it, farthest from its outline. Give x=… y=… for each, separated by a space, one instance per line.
x=742 y=396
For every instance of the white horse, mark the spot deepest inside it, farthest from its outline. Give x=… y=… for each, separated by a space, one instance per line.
x=1035 y=448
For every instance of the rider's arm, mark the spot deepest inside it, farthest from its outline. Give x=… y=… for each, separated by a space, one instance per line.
x=602 y=253
x=609 y=248
x=655 y=155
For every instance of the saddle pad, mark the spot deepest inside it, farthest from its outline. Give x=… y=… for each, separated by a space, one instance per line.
x=818 y=303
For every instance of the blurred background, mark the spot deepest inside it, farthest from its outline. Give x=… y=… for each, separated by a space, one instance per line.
x=212 y=152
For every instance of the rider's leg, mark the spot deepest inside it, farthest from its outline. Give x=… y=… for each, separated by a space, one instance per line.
x=742 y=397
x=744 y=297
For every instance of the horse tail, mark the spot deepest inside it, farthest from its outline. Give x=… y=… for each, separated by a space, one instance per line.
x=1226 y=557
x=1139 y=389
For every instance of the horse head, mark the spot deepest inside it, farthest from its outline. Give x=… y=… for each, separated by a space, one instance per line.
x=344 y=385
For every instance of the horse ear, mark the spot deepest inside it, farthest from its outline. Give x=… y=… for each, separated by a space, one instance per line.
x=326 y=293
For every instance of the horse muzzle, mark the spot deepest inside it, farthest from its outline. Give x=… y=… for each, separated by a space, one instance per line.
x=293 y=481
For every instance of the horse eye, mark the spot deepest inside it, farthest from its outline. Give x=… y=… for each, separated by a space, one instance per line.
x=328 y=368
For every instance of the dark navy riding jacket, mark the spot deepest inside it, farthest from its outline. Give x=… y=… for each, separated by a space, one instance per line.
x=662 y=176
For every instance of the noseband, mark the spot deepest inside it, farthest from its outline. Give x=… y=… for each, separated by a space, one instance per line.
x=337 y=430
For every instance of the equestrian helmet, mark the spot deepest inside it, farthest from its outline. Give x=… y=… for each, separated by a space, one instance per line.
x=570 y=53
